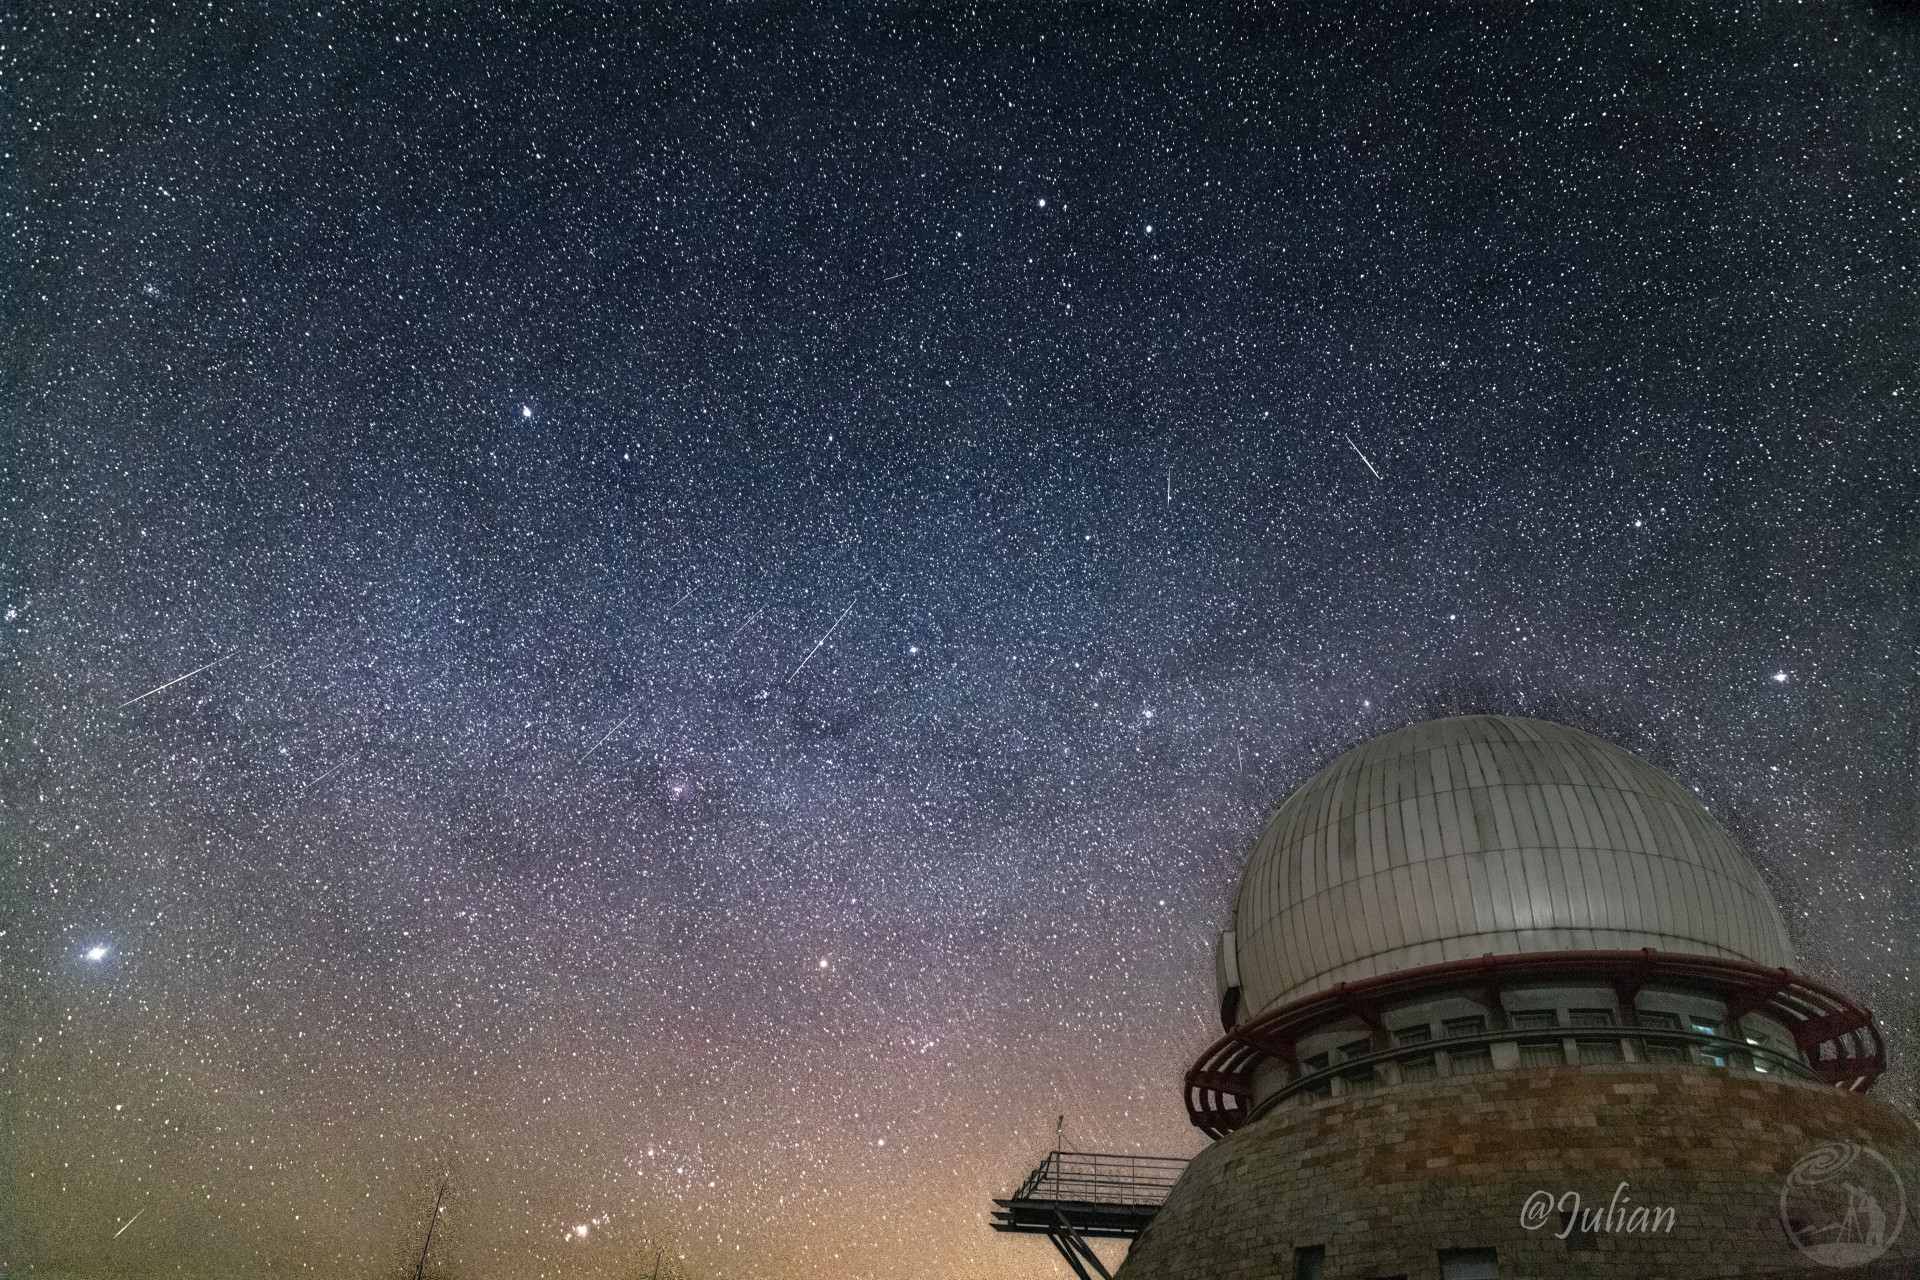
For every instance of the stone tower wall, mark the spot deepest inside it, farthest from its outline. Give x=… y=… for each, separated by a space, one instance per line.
x=1386 y=1180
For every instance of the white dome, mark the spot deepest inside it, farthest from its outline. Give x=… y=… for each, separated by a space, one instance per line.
x=1455 y=838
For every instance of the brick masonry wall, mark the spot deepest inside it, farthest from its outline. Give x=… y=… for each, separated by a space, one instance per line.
x=1385 y=1180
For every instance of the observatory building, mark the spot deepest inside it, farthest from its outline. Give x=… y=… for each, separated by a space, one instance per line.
x=1502 y=1000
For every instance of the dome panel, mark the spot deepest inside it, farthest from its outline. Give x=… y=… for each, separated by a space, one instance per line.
x=1478 y=834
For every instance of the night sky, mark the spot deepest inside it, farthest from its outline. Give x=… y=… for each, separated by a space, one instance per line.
x=751 y=575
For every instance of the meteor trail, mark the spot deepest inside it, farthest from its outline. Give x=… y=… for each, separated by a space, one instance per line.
x=176 y=680
x=310 y=786
x=1363 y=457
x=682 y=600
x=129 y=1222
x=603 y=737
x=751 y=618
x=823 y=639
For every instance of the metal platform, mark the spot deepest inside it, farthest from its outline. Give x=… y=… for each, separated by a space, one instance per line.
x=1074 y=1195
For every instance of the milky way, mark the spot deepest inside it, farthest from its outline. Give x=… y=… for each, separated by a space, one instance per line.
x=744 y=580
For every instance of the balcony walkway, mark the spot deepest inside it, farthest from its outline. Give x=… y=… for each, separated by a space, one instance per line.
x=1073 y=1195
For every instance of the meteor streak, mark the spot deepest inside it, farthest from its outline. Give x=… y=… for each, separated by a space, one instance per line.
x=751 y=619
x=603 y=737
x=1363 y=457
x=310 y=786
x=129 y=1222
x=823 y=639
x=176 y=680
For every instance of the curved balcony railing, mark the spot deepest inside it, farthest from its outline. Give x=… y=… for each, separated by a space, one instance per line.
x=1837 y=1040
x=1700 y=1048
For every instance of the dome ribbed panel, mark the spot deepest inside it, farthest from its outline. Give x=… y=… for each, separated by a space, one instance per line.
x=1456 y=838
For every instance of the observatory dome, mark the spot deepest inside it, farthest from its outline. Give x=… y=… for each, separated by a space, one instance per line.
x=1455 y=838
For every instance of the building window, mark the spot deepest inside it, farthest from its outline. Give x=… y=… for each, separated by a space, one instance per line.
x=1705 y=1025
x=1578 y=1241
x=1358 y=1081
x=1469 y=1264
x=1356 y=1049
x=1413 y=1035
x=1474 y=1026
x=1310 y=1263
x=1590 y=1017
x=1469 y=1062
x=1654 y=1051
x=1418 y=1070
x=1595 y=1052
x=1535 y=1020
x=1658 y=1018
x=1318 y=1062
x=1713 y=1057
x=1542 y=1053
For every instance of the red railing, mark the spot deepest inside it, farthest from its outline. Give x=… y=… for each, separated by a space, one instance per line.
x=1839 y=1039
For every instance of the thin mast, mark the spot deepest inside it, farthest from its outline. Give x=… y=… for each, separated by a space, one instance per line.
x=431 y=1222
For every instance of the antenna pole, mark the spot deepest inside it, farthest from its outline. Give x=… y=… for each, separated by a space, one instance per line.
x=1059 y=1135
x=431 y=1223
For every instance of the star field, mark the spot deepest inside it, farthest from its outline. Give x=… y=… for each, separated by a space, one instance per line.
x=687 y=618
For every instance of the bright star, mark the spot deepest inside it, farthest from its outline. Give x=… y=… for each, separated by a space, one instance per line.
x=1149 y=228
x=580 y=1230
x=823 y=964
x=97 y=954
x=1779 y=677
x=526 y=411
x=1043 y=202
